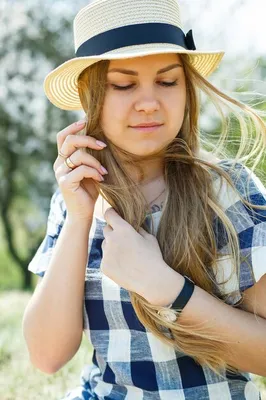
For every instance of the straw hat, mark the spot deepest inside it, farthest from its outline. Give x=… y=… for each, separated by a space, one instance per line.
x=117 y=29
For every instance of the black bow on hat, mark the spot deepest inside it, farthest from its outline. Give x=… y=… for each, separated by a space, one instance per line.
x=190 y=41
x=136 y=34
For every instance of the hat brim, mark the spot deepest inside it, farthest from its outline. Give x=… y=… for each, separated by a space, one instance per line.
x=60 y=85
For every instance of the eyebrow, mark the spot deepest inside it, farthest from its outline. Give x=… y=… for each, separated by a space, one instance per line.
x=130 y=72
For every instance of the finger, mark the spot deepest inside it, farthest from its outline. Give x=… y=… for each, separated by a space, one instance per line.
x=103 y=244
x=82 y=158
x=143 y=233
x=72 y=177
x=64 y=169
x=112 y=218
x=69 y=130
x=107 y=230
x=73 y=143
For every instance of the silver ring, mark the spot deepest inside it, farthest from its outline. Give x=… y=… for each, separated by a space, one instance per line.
x=69 y=163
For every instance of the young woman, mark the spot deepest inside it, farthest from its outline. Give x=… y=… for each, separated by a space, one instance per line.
x=161 y=260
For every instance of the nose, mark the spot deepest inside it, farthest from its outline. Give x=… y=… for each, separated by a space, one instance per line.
x=147 y=102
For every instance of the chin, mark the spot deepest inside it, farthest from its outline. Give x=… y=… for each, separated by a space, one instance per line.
x=146 y=149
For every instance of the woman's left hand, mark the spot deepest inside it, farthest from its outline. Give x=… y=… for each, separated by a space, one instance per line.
x=131 y=259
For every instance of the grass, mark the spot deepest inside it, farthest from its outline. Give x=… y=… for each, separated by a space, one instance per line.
x=19 y=380
x=10 y=275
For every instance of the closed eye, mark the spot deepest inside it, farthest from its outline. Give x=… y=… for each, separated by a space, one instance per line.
x=167 y=84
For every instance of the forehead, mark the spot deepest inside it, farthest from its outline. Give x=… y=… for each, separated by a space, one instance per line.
x=153 y=61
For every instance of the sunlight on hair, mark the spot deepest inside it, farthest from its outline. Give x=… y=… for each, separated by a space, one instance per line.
x=188 y=244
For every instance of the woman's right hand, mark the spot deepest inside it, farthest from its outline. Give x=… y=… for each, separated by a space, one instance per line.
x=77 y=186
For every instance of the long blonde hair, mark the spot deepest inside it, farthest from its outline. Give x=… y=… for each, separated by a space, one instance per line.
x=188 y=244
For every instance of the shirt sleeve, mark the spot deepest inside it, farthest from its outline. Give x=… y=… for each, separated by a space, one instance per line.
x=55 y=222
x=250 y=225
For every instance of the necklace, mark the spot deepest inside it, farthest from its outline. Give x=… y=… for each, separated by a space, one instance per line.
x=157 y=196
x=149 y=202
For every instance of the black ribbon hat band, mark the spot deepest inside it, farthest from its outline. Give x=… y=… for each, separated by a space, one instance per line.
x=137 y=34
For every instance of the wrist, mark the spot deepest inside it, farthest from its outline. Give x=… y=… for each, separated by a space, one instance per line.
x=78 y=223
x=169 y=287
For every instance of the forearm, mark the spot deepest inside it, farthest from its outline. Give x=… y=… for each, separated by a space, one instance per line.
x=53 y=319
x=246 y=331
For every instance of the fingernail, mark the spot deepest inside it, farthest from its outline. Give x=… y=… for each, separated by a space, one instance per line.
x=81 y=122
x=104 y=170
x=101 y=144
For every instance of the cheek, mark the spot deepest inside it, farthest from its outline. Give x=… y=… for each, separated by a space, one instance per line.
x=114 y=115
x=176 y=104
x=115 y=108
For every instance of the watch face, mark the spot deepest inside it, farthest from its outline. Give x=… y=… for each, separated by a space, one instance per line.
x=168 y=315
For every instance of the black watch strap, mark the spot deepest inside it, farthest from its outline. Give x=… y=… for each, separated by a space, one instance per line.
x=184 y=295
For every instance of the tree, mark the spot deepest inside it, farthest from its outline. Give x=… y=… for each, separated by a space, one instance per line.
x=37 y=37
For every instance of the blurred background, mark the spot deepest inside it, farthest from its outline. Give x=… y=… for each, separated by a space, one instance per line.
x=36 y=37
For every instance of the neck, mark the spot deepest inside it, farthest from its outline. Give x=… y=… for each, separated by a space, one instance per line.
x=154 y=191
x=152 y=172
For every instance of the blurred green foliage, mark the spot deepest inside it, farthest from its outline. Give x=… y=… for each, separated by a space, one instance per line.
x=38 y=42
x=19 y=379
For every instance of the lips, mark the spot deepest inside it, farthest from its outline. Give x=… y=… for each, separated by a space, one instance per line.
x=148 y=125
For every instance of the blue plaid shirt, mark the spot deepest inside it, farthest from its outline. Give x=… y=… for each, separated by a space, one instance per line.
x=128 y=361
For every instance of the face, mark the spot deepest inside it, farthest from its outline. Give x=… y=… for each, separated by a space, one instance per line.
x=144 y=94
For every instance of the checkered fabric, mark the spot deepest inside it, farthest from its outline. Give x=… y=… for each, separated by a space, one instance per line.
x=128 y=361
